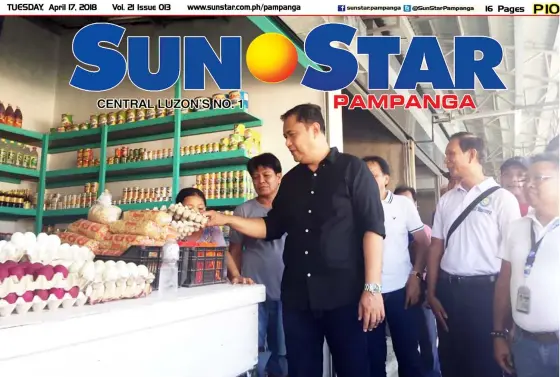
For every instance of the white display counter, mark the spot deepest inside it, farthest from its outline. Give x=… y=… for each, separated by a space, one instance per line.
x=197 y=332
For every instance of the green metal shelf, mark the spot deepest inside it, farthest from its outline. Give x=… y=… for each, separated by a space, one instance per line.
x=63 y=216
x=61 y=142
x=20 y=135
x=10 y=213
x=152 y=169
x=71 y=177
x=16 y=173
x=196 y=123
x=225 y=203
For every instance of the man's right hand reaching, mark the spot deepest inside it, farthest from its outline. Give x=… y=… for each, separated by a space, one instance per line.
x=215 y=218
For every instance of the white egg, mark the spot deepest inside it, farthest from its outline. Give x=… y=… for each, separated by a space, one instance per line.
x=99 y=265
x=76 y=267
x=111 y=273
x=53 y=241
x=132 y=269
x=121 y=264
x=110 y=263
x=74 y=252
x=45 y=255
x=88 y=271
x=84 y=253
x=64 y=252
x=33 y=252
x=30 y=238
x=143 y=271
x=2 y=243
x=18 y=241
x=42 y=238
x=9 y=251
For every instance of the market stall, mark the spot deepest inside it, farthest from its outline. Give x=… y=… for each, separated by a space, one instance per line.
x=204 y=332
x=59 y=153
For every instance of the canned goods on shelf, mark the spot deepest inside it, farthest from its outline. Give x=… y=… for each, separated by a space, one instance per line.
x=140 y=114
x=102 y=120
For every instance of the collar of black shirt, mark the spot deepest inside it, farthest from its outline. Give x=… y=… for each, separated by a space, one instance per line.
x=331 y=157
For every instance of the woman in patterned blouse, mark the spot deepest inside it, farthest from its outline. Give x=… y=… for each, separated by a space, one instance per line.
x=194 y=199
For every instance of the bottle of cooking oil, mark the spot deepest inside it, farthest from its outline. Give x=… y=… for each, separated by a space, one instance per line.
x=26 y=156
x=11 y=153
x=34 y=158
x=3 y=151
x=19 y=154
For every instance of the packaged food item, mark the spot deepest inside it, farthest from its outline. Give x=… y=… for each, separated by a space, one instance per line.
x=141 y=228
x=66 y=120
x=73 y=238
x=150 y=113
x=121 y=117
x=130 y=116
x=140 y=114
x=89 y=229
x=160 y=112
x=94 y=121
x=102 y=120
x=111 y=119
x=159 y=217
x=103 y=212
x=124 y=241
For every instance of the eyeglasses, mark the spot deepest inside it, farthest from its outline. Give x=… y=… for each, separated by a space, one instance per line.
x=538 y=178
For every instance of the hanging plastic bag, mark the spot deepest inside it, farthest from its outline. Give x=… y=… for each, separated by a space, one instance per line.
x=103 y=212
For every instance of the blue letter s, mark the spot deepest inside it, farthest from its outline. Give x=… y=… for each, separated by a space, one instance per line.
x=343 y=64
x=110 y=63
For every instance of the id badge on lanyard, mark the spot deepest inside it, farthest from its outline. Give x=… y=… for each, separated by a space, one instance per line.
x=523 y=304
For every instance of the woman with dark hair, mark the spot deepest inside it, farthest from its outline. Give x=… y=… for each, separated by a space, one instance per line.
x=194 y=199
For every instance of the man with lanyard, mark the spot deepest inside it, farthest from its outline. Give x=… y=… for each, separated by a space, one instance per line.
x=329 y=206
x=463 y=263
x=528 y=289
x=402 y=282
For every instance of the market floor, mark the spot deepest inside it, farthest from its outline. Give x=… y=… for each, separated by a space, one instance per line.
x=392 y=366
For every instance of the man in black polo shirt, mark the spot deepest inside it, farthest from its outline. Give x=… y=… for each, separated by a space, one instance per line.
x=330 y=208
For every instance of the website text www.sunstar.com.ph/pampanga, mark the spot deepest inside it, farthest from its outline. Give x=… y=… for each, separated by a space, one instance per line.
x=248 y=7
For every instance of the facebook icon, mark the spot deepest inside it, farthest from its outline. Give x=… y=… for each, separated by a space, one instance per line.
x=342 y=8
x=407 y=8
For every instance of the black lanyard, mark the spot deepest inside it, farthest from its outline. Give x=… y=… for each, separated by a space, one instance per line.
x=535 y=245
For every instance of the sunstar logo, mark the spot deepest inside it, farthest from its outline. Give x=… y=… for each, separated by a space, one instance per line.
x=272 y=58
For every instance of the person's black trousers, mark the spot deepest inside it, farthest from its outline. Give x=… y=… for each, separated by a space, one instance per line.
x=467 y=349
x=305 y=331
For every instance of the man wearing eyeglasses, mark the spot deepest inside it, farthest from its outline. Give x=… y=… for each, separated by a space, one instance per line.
x=512 y=178
x=528 y=288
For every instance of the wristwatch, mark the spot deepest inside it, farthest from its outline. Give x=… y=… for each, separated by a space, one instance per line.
x=417 y=274
x=372 y=288
x=499 y=334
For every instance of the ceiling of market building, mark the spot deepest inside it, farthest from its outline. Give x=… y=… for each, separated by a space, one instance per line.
x=517 y=121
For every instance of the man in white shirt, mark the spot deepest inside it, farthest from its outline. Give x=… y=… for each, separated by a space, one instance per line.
x=528 y=289
x=400 y=282
x=463 y=263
